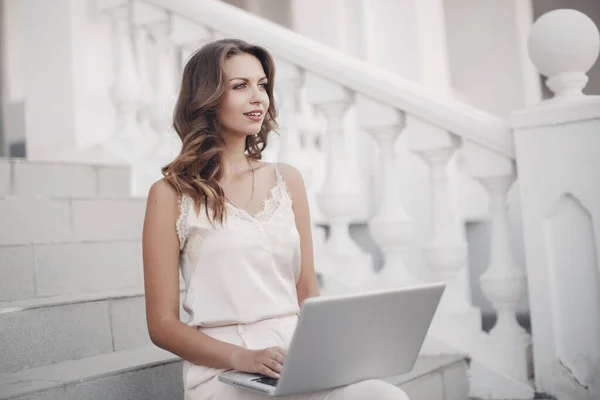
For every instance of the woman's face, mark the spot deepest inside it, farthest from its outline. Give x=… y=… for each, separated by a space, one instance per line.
x=245 y=101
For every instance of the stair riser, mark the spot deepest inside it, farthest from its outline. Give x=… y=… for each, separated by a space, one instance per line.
x=30 y=178
x=48 y=335
x=70 y=220
x=71 y=268
x=450 y=383
x=157 y=382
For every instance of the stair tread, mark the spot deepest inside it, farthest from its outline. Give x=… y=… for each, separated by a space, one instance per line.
x=426 y=365
x=65 y=299
x=40 y=302
x=99 y=366
x=69 y=164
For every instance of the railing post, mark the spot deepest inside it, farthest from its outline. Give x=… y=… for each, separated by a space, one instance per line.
x=557 y=145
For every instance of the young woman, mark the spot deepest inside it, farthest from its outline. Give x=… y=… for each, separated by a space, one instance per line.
x=239 y=229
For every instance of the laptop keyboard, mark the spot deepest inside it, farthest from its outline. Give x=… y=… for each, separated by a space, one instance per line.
x=266 y=380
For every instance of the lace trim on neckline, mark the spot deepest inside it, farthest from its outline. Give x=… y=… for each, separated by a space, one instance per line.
x=277 y=195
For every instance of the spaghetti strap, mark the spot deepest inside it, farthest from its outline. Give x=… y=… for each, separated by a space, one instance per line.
x=278 y=176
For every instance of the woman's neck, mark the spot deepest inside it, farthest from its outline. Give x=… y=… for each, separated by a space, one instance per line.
x=234 y=159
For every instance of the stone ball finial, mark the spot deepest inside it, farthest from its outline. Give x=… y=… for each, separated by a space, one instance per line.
x=564 y=45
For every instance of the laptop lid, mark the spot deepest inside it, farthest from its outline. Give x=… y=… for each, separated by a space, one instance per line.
x=349 y=338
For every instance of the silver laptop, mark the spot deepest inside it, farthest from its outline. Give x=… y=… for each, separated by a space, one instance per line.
x=349 y=338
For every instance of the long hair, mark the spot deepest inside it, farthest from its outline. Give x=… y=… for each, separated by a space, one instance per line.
x=197 y=170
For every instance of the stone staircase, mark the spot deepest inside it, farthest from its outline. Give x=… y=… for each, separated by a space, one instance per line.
x=71 y=294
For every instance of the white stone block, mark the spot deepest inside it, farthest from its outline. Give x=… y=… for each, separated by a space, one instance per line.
x=86 y=267
x=5 y=188
x=128 y=320
x=426 y=387
x=48 y=335
x=456 y=382
x=139 y=384
x=17 y=264
x=26 y=221
x=53 y=180
x=140 y=374
x=108 y=219
x=114 y=181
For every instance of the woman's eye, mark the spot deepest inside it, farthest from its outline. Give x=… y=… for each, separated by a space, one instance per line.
x=265 y=85
x=239 y=86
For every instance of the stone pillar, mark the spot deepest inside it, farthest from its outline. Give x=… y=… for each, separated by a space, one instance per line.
x=557 y=145
x=54 y=64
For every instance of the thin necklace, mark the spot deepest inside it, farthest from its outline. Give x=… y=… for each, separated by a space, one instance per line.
x=251 y=196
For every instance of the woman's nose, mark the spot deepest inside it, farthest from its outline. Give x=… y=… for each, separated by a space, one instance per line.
x=256 y=96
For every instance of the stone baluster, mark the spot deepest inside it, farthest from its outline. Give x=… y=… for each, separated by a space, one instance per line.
x=148 y=140
x=311 y=129
x=391 y=227
x=289 y=83
x=188 y=37
x=344 y=263
x=508 y=346
x=165 y=90
x=127 y=89
x=504 y=284
x=457 y=323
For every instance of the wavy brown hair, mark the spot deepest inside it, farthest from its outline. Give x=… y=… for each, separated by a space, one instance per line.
x=197 y=170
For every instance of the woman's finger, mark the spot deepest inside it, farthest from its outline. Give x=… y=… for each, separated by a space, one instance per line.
x=266 y=371
x=273 y=365
x=281 y=351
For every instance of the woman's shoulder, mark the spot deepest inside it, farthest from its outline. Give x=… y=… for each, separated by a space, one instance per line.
x=291 y=175
x=288 y=171
x=162 y=191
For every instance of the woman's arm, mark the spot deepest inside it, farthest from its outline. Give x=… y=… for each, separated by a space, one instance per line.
x=160 y=246
x=307 y=285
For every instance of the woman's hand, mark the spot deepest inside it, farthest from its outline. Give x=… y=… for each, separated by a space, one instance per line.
x=268 y=362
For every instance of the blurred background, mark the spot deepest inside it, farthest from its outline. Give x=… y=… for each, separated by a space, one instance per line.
x=448 y=140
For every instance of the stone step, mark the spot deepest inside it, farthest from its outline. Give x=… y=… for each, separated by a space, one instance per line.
x=143 y=373
x=60 y=220
x=150 y=373
x=19 y=177
x=436 y=378
x=38 y=332
x=41 y=270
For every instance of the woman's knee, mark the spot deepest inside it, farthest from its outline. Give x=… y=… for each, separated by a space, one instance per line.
x=377 y=389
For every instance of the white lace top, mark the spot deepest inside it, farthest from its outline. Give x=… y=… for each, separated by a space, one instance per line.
x=245 y=270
